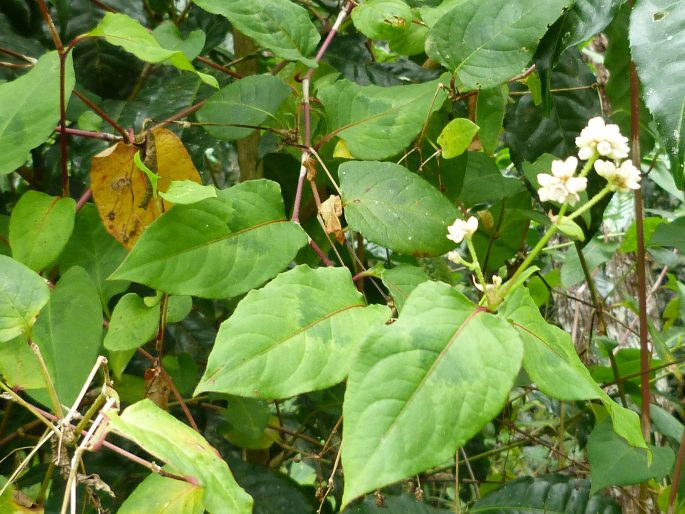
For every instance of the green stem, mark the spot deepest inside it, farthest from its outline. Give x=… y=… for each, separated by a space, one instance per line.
x=29 y=407
x=590 y=204
x=52 y=392
x=92 y=410
x=475 y=264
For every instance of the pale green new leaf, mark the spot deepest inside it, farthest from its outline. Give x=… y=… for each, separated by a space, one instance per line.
x=40 y=227
x=183 y=192
x=169 y=36
x=423 y=386
x=487 y=42
x=379 y=122
x=219 y=247
x=29 y=109
x=281 y=26
x=249 y=101
x=121 y=30
x=394 y=207
x=69 y=332
x=161 y=495
x=657 y=43
x=382 y=19
x=297 y=334
x=186 y=453
x=22 y=295
x=133 y=323
x=456 y=137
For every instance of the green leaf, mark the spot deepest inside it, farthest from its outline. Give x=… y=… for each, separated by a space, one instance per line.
x=40 y=227
x=161 y=495
x=382 y=19
x=484 y=182
x=278 y=25
x=456 y=137
x=394 y=207
x=671 y=235
x=596 y=253
x=93 y=249
x=423 y=386
x=487 y=43
x=657 y=43
x=490 y=110
x=551 y=361
x=132 y=325
x=401 y=281
x=432 y=14
x=184 y=192
x=549 y=357
x=185 y=451
x=120 y=30
x=69 y=332
x=551 y=494
x=586 y=18
x=246 y=422
x=19 y=366
x=379 y=122
x=614 y=462
x=219 y=247
x=249 y=101
x=29 y=109
x=298 y=333
x=169 y=36
x=22 y=295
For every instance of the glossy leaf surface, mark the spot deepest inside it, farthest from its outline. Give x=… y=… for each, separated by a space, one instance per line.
x=394 y=207
x=423 y=386
x=217 y=248
x=299 y=333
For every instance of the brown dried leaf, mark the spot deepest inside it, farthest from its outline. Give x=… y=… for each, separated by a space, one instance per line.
x=121 y=191
x=330 y=211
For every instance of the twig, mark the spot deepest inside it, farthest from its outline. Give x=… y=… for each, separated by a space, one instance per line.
x=103 y=115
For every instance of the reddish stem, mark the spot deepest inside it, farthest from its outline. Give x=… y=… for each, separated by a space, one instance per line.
x=180 y=115
x=89 y=133
x=320 y=253
x=676 y=475
x=103 y=115
x=83 y=200
x=219 y=67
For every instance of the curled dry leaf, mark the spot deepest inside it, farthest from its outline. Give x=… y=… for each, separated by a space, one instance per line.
x=330 y=211
x=123 y=193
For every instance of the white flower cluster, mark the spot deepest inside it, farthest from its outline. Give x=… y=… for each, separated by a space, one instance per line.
x=595 y=141
x=460 y=229
x=561 y=186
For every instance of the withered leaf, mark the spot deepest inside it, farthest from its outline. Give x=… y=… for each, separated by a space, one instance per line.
x=330 y=211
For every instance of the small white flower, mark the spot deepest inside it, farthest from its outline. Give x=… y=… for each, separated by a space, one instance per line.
x=561 y=186
x=496 y=282
x=624 y=178
x=455 y=257
x=460 y=229
x=602 y=139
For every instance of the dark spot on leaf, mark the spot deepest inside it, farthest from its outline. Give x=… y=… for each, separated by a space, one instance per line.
x=658 y=16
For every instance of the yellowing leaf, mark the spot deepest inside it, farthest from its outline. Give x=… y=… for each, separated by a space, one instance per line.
x=330 y=211
x=123 y=193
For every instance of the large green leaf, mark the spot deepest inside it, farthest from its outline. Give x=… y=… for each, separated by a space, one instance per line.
x=487 y=42
x=279 y=25
x=614 y=462
x=133 y=323
x=121 y=30
x=657 y=42
x=484 y=182
x=161 y=495
x=69 y=332
x=396 y=208
x=40 y=227
x=551 y=361
x=22 y=295
x=378 y=122
x=670 y=234
x=92 y=248
x=551 y=494
x=549 y=356
x=185 y=451
x=403 y=504
x=297 y=334
x=169 y=36
x=423 y=386
x=586 y=18
x=219 y=247
x=382 y=19
x=29 y=109
x=249 y=101
x=400 y=281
